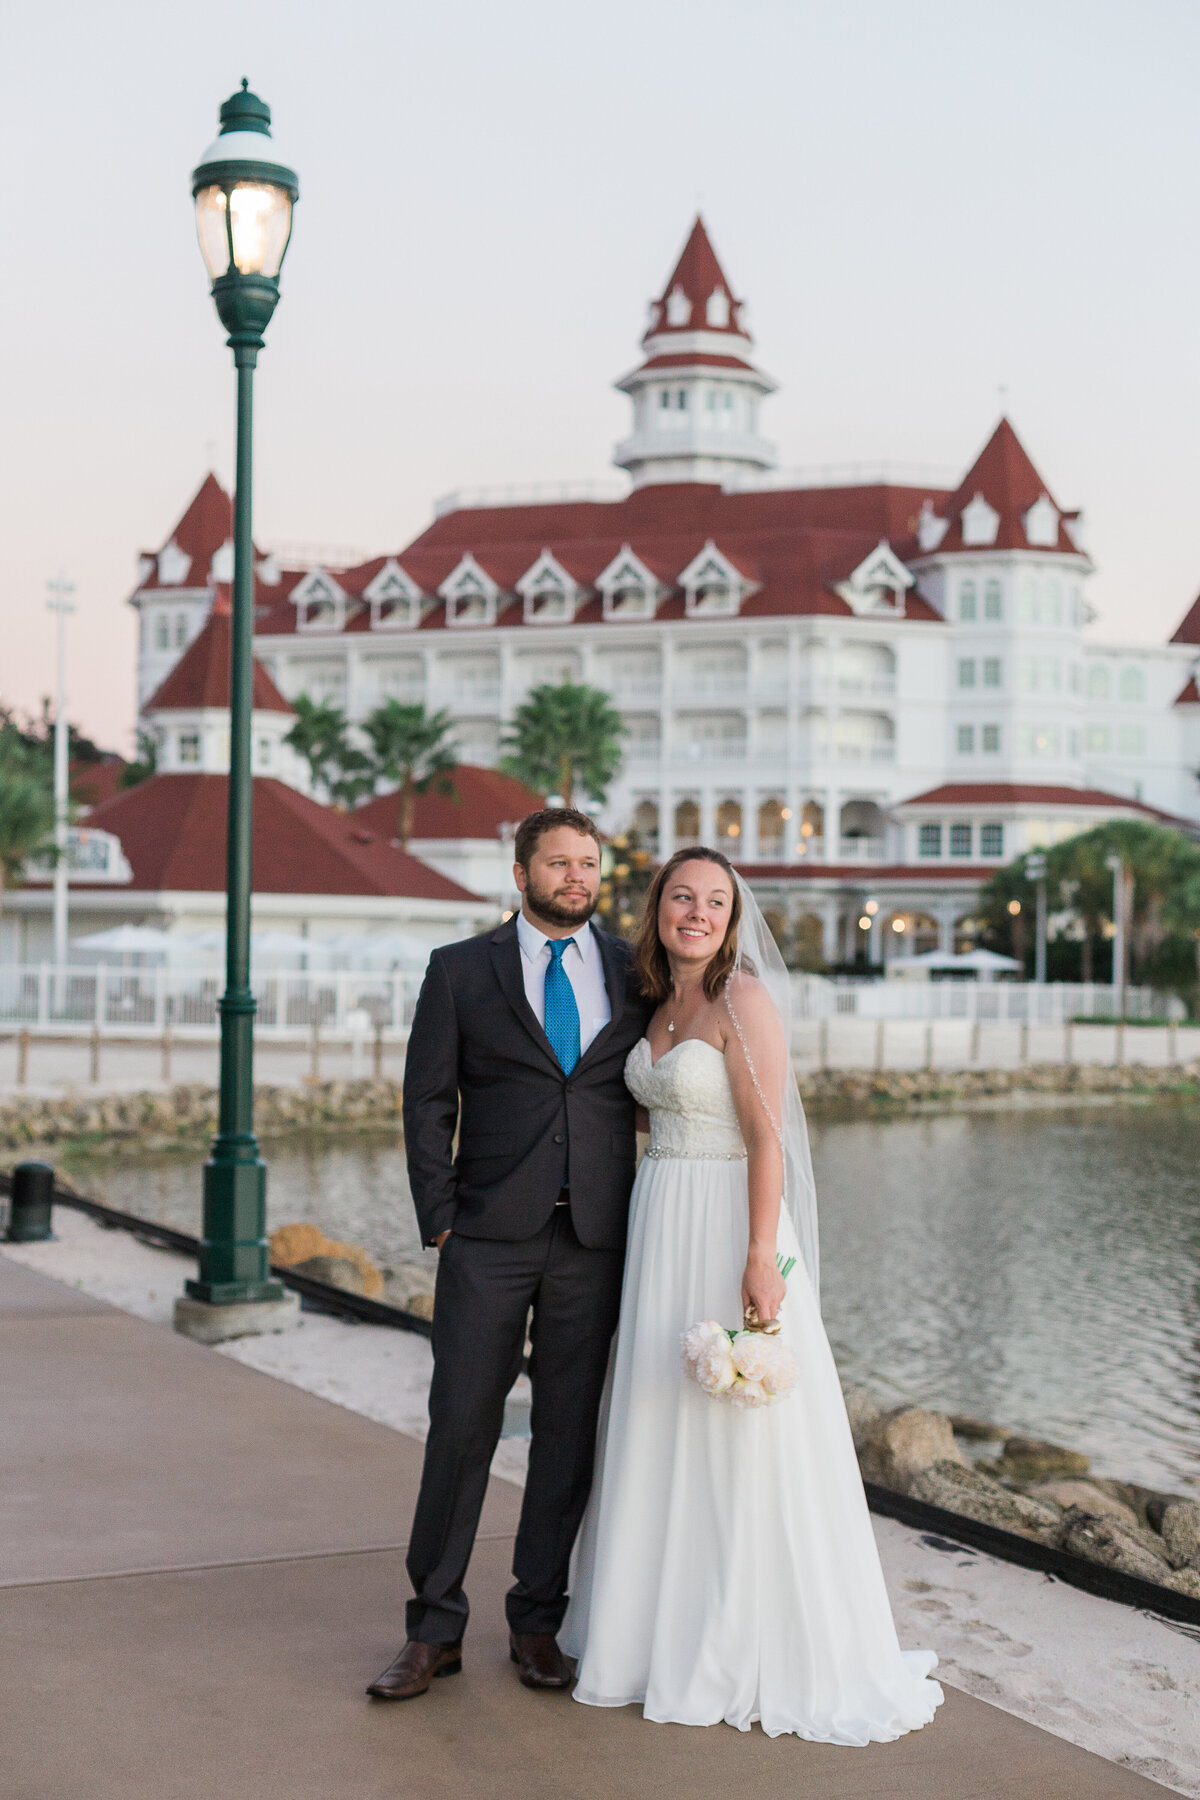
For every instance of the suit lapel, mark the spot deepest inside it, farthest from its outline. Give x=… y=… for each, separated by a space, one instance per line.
x=615 y=971
x=506 y=961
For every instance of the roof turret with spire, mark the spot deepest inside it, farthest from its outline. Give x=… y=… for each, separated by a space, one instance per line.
x=696 y=395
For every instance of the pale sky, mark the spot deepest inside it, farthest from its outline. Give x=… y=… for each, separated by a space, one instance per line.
x=923 y=203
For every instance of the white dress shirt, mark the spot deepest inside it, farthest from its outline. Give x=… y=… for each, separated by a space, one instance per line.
x=584 y=970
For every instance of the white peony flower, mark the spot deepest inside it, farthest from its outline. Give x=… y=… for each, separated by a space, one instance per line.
x=752 y=1354
x=706 y=1356
x=749 y=1393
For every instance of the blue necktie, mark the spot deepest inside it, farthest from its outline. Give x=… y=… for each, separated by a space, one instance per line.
x=562 y=1011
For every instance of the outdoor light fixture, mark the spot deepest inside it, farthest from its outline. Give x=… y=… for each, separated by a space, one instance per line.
x=898 y=925
x=1014 y=907
x=871 y=908
x=244 y=197
x=864 y=924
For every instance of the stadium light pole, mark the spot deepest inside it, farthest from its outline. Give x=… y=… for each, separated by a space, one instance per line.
x=244 y=197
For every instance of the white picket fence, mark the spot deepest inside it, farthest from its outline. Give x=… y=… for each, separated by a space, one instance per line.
x=1011 y=1002
x=51 y=1001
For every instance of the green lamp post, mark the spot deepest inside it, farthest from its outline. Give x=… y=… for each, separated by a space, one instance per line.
x=244 y=197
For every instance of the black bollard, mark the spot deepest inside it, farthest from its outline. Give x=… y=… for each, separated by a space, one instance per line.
x=29 y=1209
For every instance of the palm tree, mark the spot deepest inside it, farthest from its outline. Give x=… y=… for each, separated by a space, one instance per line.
x=26 y=801
x=320 y=734
x=565 y=737
x=411 y=747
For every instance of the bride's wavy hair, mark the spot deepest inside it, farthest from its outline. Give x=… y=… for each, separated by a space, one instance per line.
x=650 y=959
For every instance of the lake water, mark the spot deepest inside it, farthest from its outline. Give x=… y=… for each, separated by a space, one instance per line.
x=1037 y=1268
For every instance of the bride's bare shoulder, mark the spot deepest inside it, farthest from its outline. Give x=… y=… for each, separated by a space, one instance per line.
x=749 y=1000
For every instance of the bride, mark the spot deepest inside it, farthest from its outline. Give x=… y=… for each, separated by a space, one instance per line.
x=726 y=1568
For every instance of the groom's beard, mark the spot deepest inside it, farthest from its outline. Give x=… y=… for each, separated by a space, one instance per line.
x=558 y=906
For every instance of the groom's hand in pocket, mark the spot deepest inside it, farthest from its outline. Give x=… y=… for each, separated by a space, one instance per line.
x=440 y=1239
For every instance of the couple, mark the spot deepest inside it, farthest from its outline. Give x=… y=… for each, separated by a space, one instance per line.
x=725 y=1567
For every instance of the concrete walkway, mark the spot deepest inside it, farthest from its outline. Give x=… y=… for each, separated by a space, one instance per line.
x=201 y=1567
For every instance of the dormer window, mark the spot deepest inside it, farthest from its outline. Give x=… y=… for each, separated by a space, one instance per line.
x=878 y=585
x=173 y=565
x=320 y=603
x=679 y=308
x=549 y=593
x=1041 y=524
x=471 y=596
x=630 y=591
x=716 y=311
x=980 y=522
x=395 y=599
x=930 y=529
x=712 y=586
x=221 y=566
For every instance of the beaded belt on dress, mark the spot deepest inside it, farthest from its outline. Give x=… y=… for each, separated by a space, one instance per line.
x=697 y=1155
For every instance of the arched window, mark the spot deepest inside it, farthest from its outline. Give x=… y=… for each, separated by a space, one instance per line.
x=180 y=630
x=162 y=632
x=1132 y=685
x=966 y=602
x=772 y=816
x=645 y=823
x=1098 y=684
x=993 y=603
x=687 y=823
x=729 y=826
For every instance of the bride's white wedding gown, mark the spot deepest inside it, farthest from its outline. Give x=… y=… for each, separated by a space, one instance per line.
x=726 y=1568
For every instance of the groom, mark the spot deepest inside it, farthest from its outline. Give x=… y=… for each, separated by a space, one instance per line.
x=519 y=1039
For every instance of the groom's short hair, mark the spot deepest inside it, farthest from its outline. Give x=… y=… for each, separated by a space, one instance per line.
x=532 y=830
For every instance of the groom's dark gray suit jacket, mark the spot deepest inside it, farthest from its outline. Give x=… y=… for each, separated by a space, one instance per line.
x=526 y=1128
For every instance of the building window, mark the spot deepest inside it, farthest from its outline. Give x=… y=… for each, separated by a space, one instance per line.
x=681 y=399
x=1131 y=740
x=966 y=602
x=966 y=671
x=180 y=630
x=1098 y=738
x=1133 y=685
x=1038 y=740
x=929 y=840
x=162 y=633
x=664 y=399
x=991 y=740
x=993 y=604
x=966 y=740
x=991 y=671
x=960 y=840
x=1039 y=674
x=991 y=840
x=189 y=747
x=1098 y=685
x=264 y=752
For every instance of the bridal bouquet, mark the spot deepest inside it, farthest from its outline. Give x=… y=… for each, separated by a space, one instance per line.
x=749 y=1367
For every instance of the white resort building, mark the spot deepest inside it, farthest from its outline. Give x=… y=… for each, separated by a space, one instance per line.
x=870 y=692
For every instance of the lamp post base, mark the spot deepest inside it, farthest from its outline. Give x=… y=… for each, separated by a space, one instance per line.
x=210 y=1324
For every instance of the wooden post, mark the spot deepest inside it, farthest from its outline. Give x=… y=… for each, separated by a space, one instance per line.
x=166 y=1053
x=879 y=1027
x=976 y=1033
x=1023 y=1052
x=1069 y=1040
x=22 y=1057
x=929 y=1045
x=1120 y=1042
x=377 y=1051
x=1172 y=1042
x=94 y=1057
x=822 y=1044
x=314 y=1065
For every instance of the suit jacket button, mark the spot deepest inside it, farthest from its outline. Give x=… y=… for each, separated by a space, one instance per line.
x=559 y=1138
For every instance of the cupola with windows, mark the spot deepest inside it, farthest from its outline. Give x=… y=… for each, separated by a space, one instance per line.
x=696 y=395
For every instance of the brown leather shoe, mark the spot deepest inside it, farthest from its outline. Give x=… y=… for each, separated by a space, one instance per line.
x=540 y=1662
x=415 y=1667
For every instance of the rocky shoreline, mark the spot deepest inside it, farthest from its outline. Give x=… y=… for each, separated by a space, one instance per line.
x=1036 y=1489
x=179 y=1115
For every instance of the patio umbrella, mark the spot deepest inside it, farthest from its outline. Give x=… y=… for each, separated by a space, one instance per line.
x=128 y=940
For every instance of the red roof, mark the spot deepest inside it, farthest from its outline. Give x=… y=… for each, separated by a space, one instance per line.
x=172 y=830
x=201 y=676
x=1188 y=696
x=1189 y=627
x=484 y=800
x=698 y=275
x=865 y=875
x=1008 y=481
x=204 y=527
x=1011 y=793
x=683 y=359
x=94 y=782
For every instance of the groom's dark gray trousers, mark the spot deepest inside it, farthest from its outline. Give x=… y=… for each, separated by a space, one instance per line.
x=478 y=1059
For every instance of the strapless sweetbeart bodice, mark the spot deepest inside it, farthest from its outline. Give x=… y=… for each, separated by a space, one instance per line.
x=687 y=1094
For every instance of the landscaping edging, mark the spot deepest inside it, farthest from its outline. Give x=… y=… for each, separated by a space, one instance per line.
x=158 y=1120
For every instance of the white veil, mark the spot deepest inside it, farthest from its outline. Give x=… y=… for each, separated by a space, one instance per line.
x=758 y=954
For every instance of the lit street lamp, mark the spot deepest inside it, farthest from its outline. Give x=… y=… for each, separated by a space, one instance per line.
x=244 y=197
x=1035 y=870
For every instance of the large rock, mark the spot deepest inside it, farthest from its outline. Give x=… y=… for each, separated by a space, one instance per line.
x=292 y=1244
x=897 y=1445
x=862 y=1409
x=977 y=1496
x=334 y=1271
x=1156 y=1505
x=1088 y=1497
x=1132 y=1551
x=1033 y=1459
x=977 y=1431
x=1185 y=1581
x=1181 y=1534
